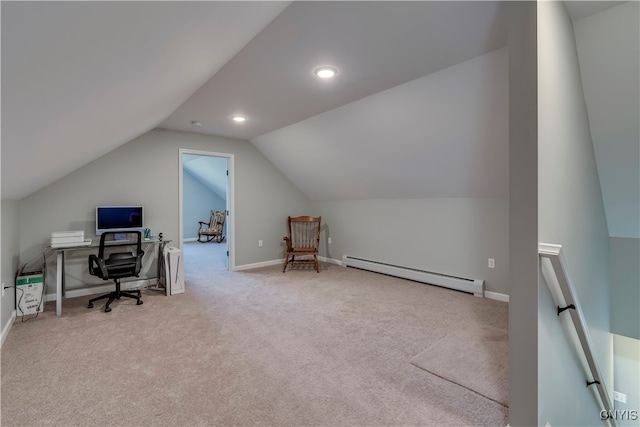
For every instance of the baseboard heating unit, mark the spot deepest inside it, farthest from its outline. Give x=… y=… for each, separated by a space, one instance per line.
x=476 y=287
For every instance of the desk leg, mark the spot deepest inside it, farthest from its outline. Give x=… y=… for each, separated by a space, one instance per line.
x=161 y=266
x=59 y=279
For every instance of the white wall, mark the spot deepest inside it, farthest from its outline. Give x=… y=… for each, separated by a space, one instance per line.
x=10 y=262
x=627 y=378
x=523 y=214
x=197 y=201
x=453 y=236
x=625 y=286
x=625 y=321
x=609 y=52
x=145 y=171
x=570 y=213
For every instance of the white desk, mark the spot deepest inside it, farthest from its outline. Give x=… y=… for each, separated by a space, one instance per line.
x=62 y=250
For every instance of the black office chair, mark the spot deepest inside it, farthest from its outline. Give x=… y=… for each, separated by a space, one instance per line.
x=117 y=266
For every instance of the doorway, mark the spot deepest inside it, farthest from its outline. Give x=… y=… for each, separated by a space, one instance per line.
x=206 y=184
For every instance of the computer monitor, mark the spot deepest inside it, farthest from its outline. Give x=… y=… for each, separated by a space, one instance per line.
x=121 y=219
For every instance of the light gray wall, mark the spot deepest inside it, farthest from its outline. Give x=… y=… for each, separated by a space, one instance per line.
x=625 y=321
x=523 y=214
x=609 y=53
x=197 y=202
x=571 y=213
x=625 y=286
x=627 y=377
x=453 y=236
x=9 y=253
x=145 y=171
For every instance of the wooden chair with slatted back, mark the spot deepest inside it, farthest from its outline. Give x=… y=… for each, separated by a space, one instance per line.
x=214 y=229
x=303 y=241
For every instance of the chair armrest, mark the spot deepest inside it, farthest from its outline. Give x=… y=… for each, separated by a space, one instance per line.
x=97 y=267
x=139 y=263
x=288 y=240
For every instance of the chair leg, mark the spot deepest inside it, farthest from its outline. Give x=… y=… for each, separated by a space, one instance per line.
x=132 y=295
x=286 y=261
x=92 y=300
x=112 y=296
x=315 y=259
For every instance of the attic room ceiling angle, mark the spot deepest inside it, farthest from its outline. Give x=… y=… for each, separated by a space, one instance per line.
x=82 y=78
x=72 y=85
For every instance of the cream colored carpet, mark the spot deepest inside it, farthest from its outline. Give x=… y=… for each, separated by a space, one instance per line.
x=254 y=348
x=475 y=358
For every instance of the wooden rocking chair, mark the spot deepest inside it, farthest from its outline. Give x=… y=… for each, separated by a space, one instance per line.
x=303 y=241
x=214 y=229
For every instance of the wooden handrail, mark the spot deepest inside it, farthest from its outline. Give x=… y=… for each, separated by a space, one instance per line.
x=567 y=301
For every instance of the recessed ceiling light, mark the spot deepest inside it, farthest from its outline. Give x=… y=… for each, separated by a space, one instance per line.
x=325 y=72
x=196 y=123
x=238 y=118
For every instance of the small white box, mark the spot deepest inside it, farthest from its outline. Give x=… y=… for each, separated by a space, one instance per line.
x=174 y=271
x=64 y=234
x=66 y=238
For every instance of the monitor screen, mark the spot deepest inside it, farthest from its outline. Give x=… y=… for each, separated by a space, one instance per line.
x=119 y=218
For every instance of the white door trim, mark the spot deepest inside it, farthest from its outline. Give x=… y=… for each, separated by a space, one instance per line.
x=231 y=231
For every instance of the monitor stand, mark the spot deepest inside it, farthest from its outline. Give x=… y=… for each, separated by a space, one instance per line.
x=120 y=236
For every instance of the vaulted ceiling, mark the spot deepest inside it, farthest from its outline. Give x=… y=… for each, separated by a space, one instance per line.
x=81 y=78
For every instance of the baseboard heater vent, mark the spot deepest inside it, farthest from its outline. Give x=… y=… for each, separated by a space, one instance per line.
x=475 y=287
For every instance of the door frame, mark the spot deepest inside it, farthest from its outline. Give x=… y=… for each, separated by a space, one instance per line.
x=231 y=234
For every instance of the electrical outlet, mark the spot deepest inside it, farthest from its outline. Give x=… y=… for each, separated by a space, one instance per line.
x=619 y=397
x=329 y=240
x=259 y=243
x=492 y=263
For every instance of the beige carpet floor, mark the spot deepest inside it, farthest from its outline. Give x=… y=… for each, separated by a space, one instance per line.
x=475 y=358
x=253 y=348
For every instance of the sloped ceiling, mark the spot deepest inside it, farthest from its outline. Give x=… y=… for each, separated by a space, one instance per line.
x=442 y=135
x=84 y=78
x=611 y=84
x=81 y=78
x=374 y=46
x=210 y=171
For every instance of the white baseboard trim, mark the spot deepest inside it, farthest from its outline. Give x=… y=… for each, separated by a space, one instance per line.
x=280 y=262
x=102 y=289
x=190 y=239
x=7 y=327
x=330 y=260
x=258 y=265
x=496 y=296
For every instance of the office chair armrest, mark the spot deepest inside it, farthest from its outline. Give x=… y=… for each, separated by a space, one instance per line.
x=96 y=264
x=139 y=263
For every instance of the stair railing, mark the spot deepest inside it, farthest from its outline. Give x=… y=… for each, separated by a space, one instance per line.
x=566 y=299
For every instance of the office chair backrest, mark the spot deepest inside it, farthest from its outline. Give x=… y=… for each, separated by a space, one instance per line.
x=118 y=264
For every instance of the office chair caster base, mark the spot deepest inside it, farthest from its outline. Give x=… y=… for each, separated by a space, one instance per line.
x=139 y=302
x=90 y=305
x=107 y=309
